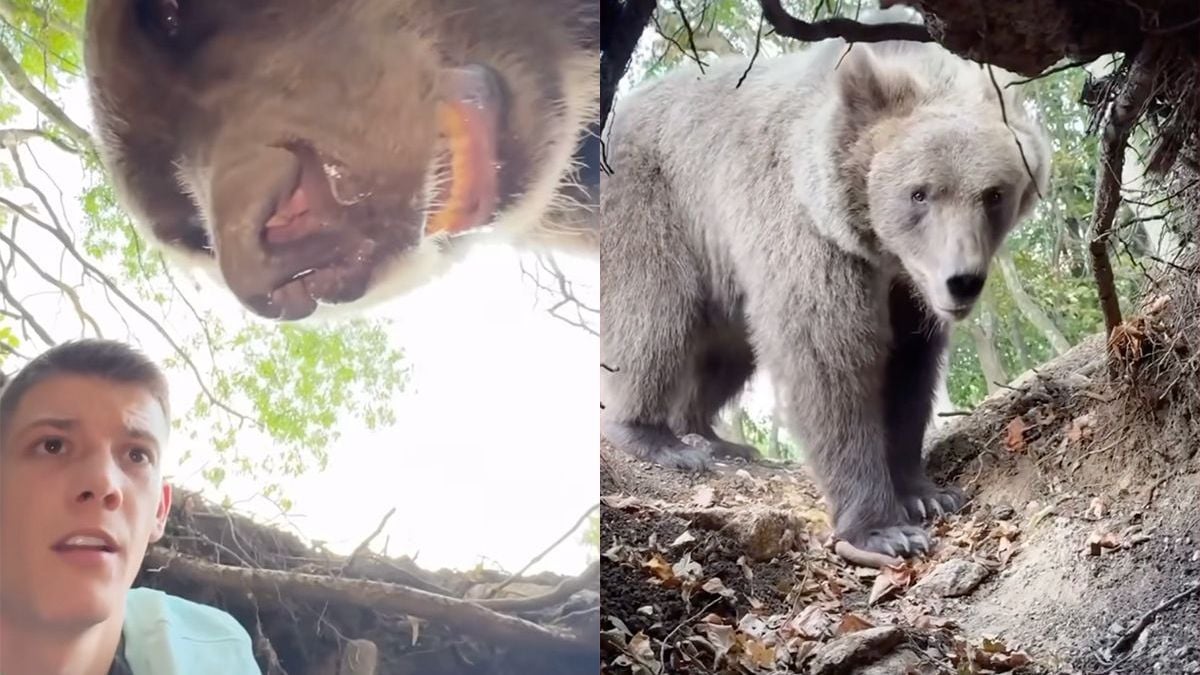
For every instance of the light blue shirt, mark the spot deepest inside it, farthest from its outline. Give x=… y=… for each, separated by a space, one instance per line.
x=169 y=635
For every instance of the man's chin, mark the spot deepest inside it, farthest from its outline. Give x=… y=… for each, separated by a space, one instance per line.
x=82 y=603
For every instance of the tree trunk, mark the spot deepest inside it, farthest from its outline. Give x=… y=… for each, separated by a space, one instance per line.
x=983 y=332
x=1029 y=306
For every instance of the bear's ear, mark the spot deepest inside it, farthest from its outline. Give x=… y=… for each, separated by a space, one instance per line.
x=869 y=91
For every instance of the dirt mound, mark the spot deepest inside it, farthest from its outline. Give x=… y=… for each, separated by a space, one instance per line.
x=1084 y=518
x=310 y=612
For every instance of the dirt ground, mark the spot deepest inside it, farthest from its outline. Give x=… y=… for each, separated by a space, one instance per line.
x=1084 y=516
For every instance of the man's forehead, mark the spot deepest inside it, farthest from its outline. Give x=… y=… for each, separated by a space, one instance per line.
x=71 y=401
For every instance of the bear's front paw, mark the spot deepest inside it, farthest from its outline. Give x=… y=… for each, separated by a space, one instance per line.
x=897 y=540
x=927 y=500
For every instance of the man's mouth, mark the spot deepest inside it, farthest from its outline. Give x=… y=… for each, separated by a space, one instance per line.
x=314 y=219
x=93 y=547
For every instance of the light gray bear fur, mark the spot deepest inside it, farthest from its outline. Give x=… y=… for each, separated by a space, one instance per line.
x=810 y=221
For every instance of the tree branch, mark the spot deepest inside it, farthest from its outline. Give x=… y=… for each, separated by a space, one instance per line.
x=11 y=68
x=1124 y=112
x=470 y=617
x=848 y=29
x=543 y=554
x=621 y=24
x=560 y=593
x=10 y=138
x=109 y=285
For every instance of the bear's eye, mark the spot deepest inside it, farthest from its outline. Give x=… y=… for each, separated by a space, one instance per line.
x=992 y=196
x=163 y=16
x=918 y=196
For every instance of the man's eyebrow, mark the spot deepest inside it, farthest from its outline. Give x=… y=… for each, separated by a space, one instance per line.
x=64 y=423
x=142 y=433
x=67 y=424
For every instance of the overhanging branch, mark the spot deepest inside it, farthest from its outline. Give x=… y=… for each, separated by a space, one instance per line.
x=848 y=29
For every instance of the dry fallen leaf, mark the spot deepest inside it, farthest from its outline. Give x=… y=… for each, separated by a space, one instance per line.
x=687 y=568
x=620 y=503
x=661 y=569
x=721 y=638
x=1097 y=509
x=851 y=623
x=811 y=623
x=758 y=654
x=717 y=587
x=686 y=538
x=1015 y=435
x=888 y=582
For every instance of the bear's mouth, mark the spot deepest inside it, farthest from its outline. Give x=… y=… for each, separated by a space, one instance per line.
x=331 y=227
x=464 y=186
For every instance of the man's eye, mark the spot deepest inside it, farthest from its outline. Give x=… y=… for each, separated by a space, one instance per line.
x=51 y=445
x=140 y=456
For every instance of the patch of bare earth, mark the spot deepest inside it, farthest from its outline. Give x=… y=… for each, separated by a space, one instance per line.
x=1078 y=553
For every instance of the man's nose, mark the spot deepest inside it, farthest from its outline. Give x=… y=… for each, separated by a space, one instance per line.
x=98 y=478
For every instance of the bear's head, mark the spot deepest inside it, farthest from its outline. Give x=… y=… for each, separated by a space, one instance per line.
x=938 y=170
x=312 y=153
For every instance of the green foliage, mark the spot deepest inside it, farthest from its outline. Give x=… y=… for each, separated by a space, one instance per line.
x=44 y=36
x=591 y=536
x=8 y=340
x=758 y=432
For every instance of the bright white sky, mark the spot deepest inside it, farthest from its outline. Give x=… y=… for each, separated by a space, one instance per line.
x=494 y=453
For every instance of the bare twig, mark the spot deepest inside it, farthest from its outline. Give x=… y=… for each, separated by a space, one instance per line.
x=25 y=315
x=687 y=26
x=358 y=550
x=66 y=290
x=1127 y=639
x=1047 y=73
x=561 y=592
x=544 y=553
x=754 y=56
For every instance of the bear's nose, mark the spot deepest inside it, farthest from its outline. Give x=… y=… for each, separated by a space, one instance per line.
x=965 y=287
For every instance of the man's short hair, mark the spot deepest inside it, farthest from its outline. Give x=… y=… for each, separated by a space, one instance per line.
x=107 y=359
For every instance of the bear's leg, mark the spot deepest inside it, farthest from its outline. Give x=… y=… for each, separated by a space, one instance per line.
x=650 y=304
x=722 y=365
x=918 y=344
x=818 y=332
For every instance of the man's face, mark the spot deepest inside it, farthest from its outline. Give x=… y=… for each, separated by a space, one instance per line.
x=79 y=456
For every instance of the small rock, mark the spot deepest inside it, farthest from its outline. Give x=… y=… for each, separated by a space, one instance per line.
x=952 y=578
x=902 y=662
x=840 y=656
x=1192 y=668
x=1003 y=512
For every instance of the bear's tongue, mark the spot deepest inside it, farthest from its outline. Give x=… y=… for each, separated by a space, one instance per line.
x=470 y=123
